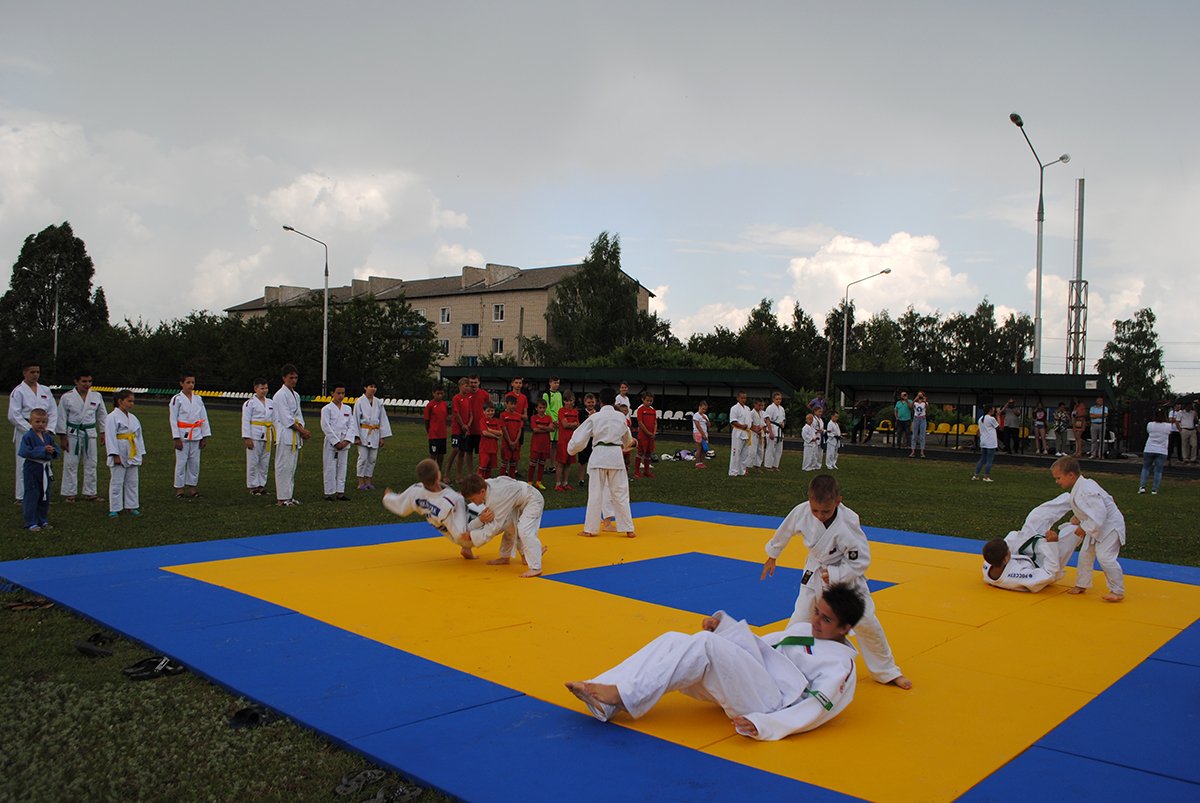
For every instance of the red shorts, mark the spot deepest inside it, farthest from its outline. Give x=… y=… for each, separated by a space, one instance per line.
x=645 y=444
x=560 y=454
x=487 y=460
x=510 y=454
x=539 y=454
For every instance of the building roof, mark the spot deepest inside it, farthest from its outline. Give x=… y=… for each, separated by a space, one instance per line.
x=982 y=387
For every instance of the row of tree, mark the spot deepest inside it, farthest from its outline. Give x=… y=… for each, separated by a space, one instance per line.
x=593 y=321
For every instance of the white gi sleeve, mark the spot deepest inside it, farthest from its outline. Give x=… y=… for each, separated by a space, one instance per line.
x=785 y=531
x=1093 y=512
x=206 y=429
x=173 y=417
x=246 y=417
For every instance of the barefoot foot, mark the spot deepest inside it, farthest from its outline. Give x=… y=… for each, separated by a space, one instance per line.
x=901 y=683
x=586 y=534
x=498 y=562
x=631 y=534
x=1113 y=598
x=532 y=573
x=1077 y=590
x=467 y=553
x=587 y=692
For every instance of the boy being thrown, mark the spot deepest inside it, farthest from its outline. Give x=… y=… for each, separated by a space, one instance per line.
x=838 y=552
x=1035 y=556
x=443 y=507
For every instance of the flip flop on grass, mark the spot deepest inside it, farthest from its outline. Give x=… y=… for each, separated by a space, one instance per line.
x=252 y=716
x=153 y=668
x=396 y=793
x=352 y=783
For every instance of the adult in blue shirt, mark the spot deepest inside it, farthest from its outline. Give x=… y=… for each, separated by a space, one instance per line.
x=1098 y=414
x=904 y=416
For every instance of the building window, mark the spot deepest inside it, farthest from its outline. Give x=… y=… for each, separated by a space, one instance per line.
x=497 y=345
x=420 y=312
x=497 y=312
x=444 y=315
x=470 y=330
x=472 y=361
x=444 y=346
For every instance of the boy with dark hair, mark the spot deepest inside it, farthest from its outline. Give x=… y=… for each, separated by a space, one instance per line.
x=337 y=422
x=80 y=430
x=838 y=552
x=1035 y=556
x=647 y=430
x=568 y=422
x=554 y=399
x=1101 y=525
x=460 y=431
x=258 y=436
x=37 y=449
x=769 y=686
x=27 y=396
x=435 y=425
x=190 y=429
x=489 y=442
x=443 y=507
x=513 y=425
x=290 y=435
x=371 y=428
x=542 y=425
x=514 y=508
x=608 y=481
x=126 y=451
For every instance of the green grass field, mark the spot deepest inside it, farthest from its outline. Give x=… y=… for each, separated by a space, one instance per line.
x=75 y=729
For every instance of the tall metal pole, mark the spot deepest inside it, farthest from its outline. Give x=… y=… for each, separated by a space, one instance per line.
x=1041 y=217
x=846 y=323
x=57 y=282
x=325 y=317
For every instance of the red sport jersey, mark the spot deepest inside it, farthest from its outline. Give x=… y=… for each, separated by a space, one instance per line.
x=539 y=444
x=460 y=408
x=435 y=420
x=568 y=420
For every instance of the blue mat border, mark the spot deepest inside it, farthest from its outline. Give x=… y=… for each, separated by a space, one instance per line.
x=676 y=771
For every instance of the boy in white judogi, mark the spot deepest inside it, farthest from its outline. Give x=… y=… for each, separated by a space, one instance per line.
x=739 y=431
x=1101 y=525
x=26 y=397
x=756 y=451
x=776 y=420
x=80 y=430
x=1035 y=556
x=512 y=507
x=190 y=430
x=442 y=506
x=258 y=434
x=812 y=444
x=371 y=428
x=337 y=422
x=608 y=481
x=126 y=450
x=833 y=441
x=290 y=436
x=838 y=552
x=769 y=686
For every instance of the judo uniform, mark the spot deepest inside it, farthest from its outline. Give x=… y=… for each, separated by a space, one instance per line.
x=21 y=402
x=1103 y=530
x=841 y=549
x=189 y=424
x=1034 y=562
x=776 y=420
x=287 y=411
x=812 y=447
x=371 y=426
x=756 y=451
x=739 y=444
x=444 y=509
x=38 y=476
x=123 y=438
x=789 y=689
x=81 y=419
x=258 y=425
x=518 y=509
x=608 y=481
x=337 y=422
x=833 y=443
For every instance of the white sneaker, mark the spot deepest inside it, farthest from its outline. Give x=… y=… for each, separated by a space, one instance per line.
x=987 y=479
x=1141 y=490
x=974 y=477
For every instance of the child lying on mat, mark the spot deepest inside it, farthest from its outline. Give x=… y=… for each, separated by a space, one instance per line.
x=443 y=507
x=769 y=686
x=1035 y=556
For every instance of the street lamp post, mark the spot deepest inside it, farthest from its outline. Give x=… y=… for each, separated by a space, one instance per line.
x=846 y=323
x=1041 y=217
x=325 y=317
x=57 y=282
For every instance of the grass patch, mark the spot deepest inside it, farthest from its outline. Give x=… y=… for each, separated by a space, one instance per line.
x=75 y=729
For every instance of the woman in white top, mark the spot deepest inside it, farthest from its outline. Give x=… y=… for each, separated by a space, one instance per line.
x=987 y=444
x=1158 y=434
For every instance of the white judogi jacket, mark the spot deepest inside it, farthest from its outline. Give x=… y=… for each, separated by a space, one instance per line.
x=506 y=498
x=123 y=438
x=287 y=412
x=371 y=423
x=258 y=420
x=608 y=431
x=444 y=509
x=834 y=431
x=1034 y=562
x=189 y=418
x=1097 y=512
x=816 y=676
x=777 y=417
x=24 y=400
x=739 y=414
x=842 y=548
x=337 y=422
x=81 y=416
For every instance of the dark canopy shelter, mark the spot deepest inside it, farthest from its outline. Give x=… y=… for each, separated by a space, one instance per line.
x=975 y=389
x=675 y=383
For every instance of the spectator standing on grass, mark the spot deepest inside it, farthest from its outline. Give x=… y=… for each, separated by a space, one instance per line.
x=26 y=397
x=1011 y=419
x=988 y=443
x=904 y=414
x=1098 y=416
x=920 y=422
x=1079 y=423
x=1187 y=432
x=553 y=398
x=1154 y=454
x=1062 y=426
x=862 y=422
x=1039 y=429
x=1175 y=444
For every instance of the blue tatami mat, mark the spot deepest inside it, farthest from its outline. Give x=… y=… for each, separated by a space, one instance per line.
x=1183 y=649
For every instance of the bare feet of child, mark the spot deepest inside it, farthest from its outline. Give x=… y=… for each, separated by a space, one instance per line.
x=608 y=525
x=498 y=562
x=1077 y=590
x=525 y=562
x=532 y=573
x=467 y=553
x=586 y=534
x=1113 y=597
x=631 y=534
x=901 y=683
x=601 y=699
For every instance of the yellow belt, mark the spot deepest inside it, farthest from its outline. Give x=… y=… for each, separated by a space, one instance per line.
x=132 y=438
x=369 y=426
x=270 y=430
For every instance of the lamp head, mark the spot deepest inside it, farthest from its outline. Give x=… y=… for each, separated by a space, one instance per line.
x=1016 y=119
x=886 y=270
x=288 y=228
x=1066 y=157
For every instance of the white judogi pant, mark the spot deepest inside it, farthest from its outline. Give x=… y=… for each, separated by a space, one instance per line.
x=333 y=467
x=123 y=488
x=20 y=486
x=812 y=456
x=739 y=454
x=774 y=452
x=367 y=455
x=187 y=464
x=831 y=452
x=525 y=525
x=1105 y=550
x=608 y=490
x=285 y=471
x=258 y=464
x=72 y=460
x=701 y=665
x=872 y=643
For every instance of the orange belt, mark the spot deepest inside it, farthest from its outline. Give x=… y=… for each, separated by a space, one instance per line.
x=189 y=426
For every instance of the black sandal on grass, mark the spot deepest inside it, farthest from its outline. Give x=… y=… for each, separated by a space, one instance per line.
x=252 y=716
x=152 y=668
x=395 y=793
x=352 y=783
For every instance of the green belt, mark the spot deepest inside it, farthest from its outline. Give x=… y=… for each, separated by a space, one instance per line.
x=82 y=439
x=795 y=641
x=605 y=443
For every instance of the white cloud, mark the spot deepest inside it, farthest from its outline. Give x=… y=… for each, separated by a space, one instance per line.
x=449 y=259
x=709 y=317
x=658 y=301
x=220 y=276
x=763 y=238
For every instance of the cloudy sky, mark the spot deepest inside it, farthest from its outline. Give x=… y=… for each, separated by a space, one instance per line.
x=741 y=150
